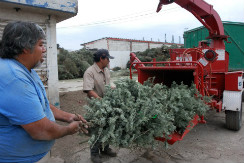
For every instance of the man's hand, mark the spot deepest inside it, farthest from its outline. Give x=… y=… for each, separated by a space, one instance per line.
x=76 y=126
x=82 y=122
x=112 y=85
x=76 y=117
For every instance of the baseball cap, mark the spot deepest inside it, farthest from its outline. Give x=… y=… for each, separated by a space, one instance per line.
x=104 y=53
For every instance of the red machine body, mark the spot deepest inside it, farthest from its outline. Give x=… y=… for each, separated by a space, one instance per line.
x=206 y=65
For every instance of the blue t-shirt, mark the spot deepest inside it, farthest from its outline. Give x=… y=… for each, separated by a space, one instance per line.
x=23 y=100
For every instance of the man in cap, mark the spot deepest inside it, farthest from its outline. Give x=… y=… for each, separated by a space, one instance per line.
x=95 y=79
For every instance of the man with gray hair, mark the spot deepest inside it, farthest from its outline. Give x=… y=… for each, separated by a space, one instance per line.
x=27 y=120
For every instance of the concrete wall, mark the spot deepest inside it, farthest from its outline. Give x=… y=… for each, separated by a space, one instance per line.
x=52 y=65
x=115 y=45
x=120 y=59
x=155 y=45
x=139 y=46
x=121 y=49
x=99 y=44
x=12 y=15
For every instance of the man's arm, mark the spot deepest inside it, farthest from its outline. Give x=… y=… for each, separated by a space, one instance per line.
x=92 y=94
x=65 y=116
x=45 y=129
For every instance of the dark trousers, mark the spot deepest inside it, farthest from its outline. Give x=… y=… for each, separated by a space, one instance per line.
x=96 y=147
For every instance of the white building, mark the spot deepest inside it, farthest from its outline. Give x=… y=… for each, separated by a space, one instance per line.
x=120 y=48
x=46 y=13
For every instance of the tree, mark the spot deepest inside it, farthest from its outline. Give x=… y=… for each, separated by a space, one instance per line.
x=133 y=114
x=73 y=64
x=160 y=54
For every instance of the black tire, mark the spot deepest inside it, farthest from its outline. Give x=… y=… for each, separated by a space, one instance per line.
x=233 y=119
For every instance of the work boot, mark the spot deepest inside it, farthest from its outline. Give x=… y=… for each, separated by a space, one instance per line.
x=109 y=152
x=96 y=159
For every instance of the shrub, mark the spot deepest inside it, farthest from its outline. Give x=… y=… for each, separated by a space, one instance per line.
x=73 y=64
x=116 y=68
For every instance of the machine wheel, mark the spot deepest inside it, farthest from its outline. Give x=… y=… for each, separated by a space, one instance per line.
x=233 y=119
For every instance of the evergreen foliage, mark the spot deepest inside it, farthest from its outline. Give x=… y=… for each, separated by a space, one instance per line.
x=73 y=64
x=133 y=114
x=160 y=54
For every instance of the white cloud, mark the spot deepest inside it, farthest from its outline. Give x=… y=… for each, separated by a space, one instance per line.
x=122 y=18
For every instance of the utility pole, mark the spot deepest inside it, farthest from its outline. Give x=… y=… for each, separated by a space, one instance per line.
x=165 y=38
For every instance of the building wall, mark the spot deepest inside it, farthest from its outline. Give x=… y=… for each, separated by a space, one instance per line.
x=121 y=49
x=99 y=44
x=120 y=59
x=152 y=45
x=11 y=15
x=115 y=45
x=139 y=46
x=52 y=65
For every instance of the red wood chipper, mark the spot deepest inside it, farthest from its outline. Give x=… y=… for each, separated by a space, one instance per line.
x=206 y=66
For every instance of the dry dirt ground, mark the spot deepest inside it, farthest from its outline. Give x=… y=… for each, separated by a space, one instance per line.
x=205 y=143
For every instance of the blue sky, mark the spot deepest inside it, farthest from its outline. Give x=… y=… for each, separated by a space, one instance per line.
x=136 y=19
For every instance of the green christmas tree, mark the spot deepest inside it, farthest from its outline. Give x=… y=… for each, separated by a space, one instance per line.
x=134 y=114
